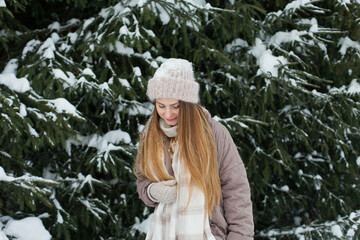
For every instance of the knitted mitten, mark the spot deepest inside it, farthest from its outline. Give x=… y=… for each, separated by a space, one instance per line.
x=164 y=191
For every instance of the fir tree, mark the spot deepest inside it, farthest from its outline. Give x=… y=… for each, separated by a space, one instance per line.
x=282 y=77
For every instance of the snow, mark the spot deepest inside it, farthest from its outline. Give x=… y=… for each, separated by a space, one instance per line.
x=72 y=37
x=55 y=26
x=142 y=226
x=116 y=11
x=346 y=43
x=2 y=235
x=30 y=228
x=121 y=49
x=23 y=111
x=125 y=83
x=117 y=136
x=48 y=47
x=135 y=108
x=89 y=72
x=11 y=66
x=2 y=3
x=60 y=219
x=69 y=79
x=87 y=23
x=4 y=177
x=281 y=37
x=30 y=46
x=296 y=4
x=104 y=144
x=354 y=87
x=237 y=43
x=63 y=106
x=285 y=188
x=164 y=15
x=32 y=131
x=267 y=62
x=137 y=71
x=16 y=84
x=336 y=230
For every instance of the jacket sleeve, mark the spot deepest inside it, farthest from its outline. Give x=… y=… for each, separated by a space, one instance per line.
x=141 y=185
x=235 y=189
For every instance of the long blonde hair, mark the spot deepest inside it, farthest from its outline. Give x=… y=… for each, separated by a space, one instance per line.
x=196 y=147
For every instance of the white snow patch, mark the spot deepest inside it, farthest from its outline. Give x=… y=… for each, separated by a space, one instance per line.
x=136 y=108
x=70 y=80
x=164 y=15
x=23 y=111
x=354 y=87
x=237 y=43
x=48 y=48
x=14 y=83
x=117 y=136
x=336 y=230
x=4 y=177
x=30 y=47
x=142 y=226
x=350 y=233
x=346 y=43
x=285 y=188
x=137 y=71
x=296 y=4
x=267 y=62
x=121 y=49
x=104 y=144
x=11 y=66
x=30 y=228
x=314 y=25
x=125 y=83
x=32 y=131
x=89 y=72
x=2 y=235
x=63 y=106
x=60 y=219
x=281 y=37
x=73 y=37
x=55 y=26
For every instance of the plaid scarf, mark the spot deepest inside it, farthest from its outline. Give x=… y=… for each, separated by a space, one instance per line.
x=175 y=221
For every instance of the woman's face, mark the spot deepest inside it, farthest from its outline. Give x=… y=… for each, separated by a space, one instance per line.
x=168 y=109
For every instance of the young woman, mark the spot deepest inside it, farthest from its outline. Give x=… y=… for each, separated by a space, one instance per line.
x=188 y=166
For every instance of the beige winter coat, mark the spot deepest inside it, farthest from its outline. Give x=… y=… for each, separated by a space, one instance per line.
x=233 y=218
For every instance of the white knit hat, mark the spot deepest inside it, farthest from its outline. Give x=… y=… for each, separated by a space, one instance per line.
x=174 y=79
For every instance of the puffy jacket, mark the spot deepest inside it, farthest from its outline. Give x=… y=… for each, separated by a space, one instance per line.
x=233 y=218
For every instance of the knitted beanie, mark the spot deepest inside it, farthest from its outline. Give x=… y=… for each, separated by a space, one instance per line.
x=174 y=79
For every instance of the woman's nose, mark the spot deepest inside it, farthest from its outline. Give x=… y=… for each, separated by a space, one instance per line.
x=167 y=113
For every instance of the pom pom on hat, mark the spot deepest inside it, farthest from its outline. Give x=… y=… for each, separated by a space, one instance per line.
x=174 y=79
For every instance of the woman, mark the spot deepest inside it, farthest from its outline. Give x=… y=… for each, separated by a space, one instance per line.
x=188 y=166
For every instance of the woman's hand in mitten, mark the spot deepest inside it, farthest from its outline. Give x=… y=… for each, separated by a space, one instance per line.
x=164 y=191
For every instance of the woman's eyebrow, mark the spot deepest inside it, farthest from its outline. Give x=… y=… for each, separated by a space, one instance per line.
x=169 y=104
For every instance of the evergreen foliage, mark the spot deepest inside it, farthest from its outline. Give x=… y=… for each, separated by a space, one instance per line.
x=282 y=76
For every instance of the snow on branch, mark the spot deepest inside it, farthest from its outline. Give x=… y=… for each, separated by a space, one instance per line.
x=77 y=184
x=27 y=178
x=342 y=228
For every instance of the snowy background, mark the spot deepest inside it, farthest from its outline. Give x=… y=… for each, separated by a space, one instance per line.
x=283 y=79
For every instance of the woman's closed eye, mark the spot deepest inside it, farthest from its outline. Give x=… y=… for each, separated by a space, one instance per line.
x=174 y=106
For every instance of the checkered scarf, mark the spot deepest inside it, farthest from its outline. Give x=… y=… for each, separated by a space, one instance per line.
x=170 y=221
